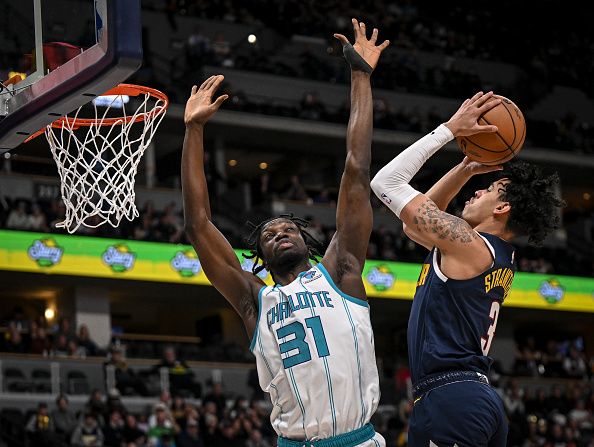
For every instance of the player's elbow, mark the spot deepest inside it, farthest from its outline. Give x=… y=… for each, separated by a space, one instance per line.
x=378 y=184
x=193 y=225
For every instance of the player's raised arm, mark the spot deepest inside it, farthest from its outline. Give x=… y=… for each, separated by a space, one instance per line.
x=216 y=255
x=354 y=218
x=447 y=187
x=426 y=222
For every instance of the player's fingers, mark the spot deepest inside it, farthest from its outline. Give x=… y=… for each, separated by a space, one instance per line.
x=342 y=38
x=212 y=81
x=373 y=38
x=216 y=82
x=483 y=99
x=487 y=129
x=205 y=84
x=220 y=100
x=466 y=101
x=475 y=97
x=363 y=29
x=489 y=105
x=194 y=90
x=356 y=28
x=384 y=45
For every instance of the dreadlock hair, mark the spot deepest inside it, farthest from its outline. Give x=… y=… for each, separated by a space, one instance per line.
x=253 y=240
x=533 y=202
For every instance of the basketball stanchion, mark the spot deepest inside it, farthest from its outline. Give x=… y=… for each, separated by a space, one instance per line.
x=98 y=167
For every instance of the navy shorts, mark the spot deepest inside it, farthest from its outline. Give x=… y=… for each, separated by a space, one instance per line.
x=466 y=414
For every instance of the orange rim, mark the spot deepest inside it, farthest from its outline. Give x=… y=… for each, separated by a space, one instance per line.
x=122 y=89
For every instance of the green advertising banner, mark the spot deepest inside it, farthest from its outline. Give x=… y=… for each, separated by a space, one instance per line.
x=150 y=261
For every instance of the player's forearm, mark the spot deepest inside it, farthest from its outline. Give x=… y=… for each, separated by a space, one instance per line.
x=360 y=127
x=391 y=183
x=194 y=186
x=448 y=186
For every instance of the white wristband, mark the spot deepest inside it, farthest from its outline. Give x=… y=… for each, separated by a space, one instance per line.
x=390 y=184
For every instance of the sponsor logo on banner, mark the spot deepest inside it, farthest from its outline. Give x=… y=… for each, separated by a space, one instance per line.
x=552 y=291
x=119 y=258
x=45 y=252
x=186 y=263
x=248 y=264
x=381 y=278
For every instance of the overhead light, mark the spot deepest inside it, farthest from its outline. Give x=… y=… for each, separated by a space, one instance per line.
x=50 y=313
x=263 y=165
x=252 y=39
x=587 y=196
x=232 y=162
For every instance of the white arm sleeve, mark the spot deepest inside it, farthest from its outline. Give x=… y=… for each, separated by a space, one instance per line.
x=390 y=184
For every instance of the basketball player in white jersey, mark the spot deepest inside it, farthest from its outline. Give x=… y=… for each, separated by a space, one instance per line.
x=311 y=332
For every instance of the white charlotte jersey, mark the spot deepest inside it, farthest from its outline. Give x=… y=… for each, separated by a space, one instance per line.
x=315 y=356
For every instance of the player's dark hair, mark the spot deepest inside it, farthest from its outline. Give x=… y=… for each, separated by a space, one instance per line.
x=253 y=240
x=533 y=201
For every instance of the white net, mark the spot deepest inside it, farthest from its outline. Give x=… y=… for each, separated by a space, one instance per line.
x=98 y=164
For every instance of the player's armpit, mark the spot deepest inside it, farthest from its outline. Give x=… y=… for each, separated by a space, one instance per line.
x=223 y=270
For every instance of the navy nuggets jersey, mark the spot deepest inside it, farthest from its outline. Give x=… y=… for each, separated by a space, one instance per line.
x=452 y=322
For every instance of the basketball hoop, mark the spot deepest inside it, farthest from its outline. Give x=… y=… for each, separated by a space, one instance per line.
x=98 y=167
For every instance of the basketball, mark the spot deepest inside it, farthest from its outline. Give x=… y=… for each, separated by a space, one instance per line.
x=501 y=146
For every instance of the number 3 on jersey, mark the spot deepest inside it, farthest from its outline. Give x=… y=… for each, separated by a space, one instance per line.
x=493 y=315
x=299 y=343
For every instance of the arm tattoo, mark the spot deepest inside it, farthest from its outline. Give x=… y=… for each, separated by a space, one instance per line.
x=430 y=219
x=249 y=308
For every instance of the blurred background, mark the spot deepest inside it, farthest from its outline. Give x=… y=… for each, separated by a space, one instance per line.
x=96 y=354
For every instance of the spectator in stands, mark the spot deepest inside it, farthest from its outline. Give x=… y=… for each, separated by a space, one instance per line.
x=197 y=49
x=96 y=405
x=18 y=219
x=295 y=191
x=574 y=364
x=64 y=419
x=87 y=433
x=60 y=348
x=311 y=107
x=190 y=437
x=221 y=50
x=14 y=341
x=217 y=397
x=65 y=328
x=256 y=440
x=39 y=342
x=114 y=430
x=40 y=428
x=37 y=220
x=211 y=433
x=126 y=380
x=161 y=425
x=131 y=434
x=181 y=377
x=84 y=341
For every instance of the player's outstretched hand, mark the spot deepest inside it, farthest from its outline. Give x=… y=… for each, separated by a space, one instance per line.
x=200 y=106
x=465 y=121
x=366 y=48
x=474 y=167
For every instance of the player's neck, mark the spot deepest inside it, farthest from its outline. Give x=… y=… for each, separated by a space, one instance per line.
x=494 y=227
x=287 y=277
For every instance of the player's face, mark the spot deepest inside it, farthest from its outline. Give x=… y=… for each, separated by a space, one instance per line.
x=281 y=243
x=483 y=204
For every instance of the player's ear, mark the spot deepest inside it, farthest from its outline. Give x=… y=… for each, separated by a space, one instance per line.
x=502 y=208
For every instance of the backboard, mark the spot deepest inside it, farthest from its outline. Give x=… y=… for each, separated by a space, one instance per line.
x=59 y=55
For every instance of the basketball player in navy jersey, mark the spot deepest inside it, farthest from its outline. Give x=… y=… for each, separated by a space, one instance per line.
x=311 y=331
x=464 y=280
